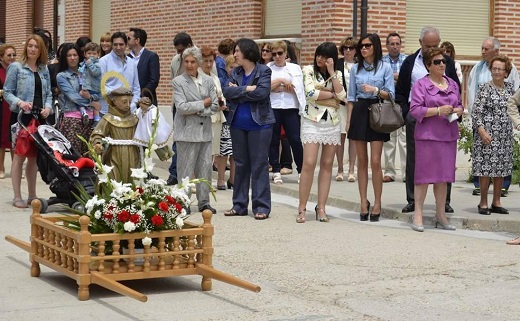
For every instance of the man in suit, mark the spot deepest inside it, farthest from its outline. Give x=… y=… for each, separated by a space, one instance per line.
x=413 y=69
x=148 y=68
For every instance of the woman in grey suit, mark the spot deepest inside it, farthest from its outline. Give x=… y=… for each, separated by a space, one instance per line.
x=195 y=100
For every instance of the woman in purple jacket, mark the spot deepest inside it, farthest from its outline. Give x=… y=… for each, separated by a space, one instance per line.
x=435 y=104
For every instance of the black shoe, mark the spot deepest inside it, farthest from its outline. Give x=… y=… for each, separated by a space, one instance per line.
x=476 y=191
x=483 y=210
x=374 y=217
x=410 y=207
x=448 y=208
x=504 y=192
x=208 y=207
x=498 y=209
x=152 y=176
x=171 y=181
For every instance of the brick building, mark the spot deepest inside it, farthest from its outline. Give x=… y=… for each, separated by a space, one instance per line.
x=306 y=22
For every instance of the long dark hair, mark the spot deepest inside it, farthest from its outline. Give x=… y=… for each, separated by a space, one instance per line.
x=378 y=51
x=62 y=62
x=329 y=50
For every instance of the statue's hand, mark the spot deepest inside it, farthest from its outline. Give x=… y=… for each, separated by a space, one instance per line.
x=98 y=148
x=144 y=103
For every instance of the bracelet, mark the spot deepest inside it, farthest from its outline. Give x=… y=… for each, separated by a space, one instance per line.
x=438 y=111
x=334 y=76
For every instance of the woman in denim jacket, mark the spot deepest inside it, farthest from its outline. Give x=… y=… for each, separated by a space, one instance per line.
x=28 y=88
x=70 y=100
x=250 y=118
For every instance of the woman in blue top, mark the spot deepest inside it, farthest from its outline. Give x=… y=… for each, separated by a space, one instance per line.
x=250 y=118
x=370 y=80
x=28 y=88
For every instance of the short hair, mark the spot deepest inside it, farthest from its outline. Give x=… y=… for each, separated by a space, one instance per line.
x=4 y=47
x=249 y=49
x=392 y=34
x=328 y=50
x=140 y=34
x=430 y=53
x=495 y=41
x=119 y=34
x=43 y=58
x=348 y=42
x=448 y=45
x=429 y=29
x=378 y=51
x=279 y=44
x=229 y=60
x=226 y=46
x=81 y=42
x=194 y=52
x=182 y=39
x=504 y=59
x=62 y=60
x=105 y=37
x=208 y=52
x=92 y=46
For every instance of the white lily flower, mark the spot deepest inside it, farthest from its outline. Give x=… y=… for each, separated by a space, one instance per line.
x=129 y=226
x=179 y=221
x=154 y=147
x=149 y=164
x=138 y=173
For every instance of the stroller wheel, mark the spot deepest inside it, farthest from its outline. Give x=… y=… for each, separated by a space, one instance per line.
x=45 y=205
x=77 y=206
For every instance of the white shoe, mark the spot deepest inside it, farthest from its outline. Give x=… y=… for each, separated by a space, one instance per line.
x=286 y=171
x=277 y=178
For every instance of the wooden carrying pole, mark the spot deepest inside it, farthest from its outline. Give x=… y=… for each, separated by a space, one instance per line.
x=210 y=272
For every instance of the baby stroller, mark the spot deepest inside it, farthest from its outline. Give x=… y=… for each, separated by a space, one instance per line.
x=61 y=167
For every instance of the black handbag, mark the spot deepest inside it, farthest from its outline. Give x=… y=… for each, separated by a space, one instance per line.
x=385 y=116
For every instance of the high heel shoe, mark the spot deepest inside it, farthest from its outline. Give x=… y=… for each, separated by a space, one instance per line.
x=301 y=216
x=324 y=219
x=417 y=227
x=446 y=226
x=374 y=217
x=364 y=216
x=229 y=184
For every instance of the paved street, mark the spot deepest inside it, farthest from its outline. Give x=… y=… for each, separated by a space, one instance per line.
x=343 y=270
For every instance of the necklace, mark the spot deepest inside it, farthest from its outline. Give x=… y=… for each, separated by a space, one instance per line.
x=442 y=83
x=368 y=67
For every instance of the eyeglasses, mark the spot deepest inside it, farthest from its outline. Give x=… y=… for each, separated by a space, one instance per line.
x=366 y=46
x=437 y=62
x=11 y=55
x=497 y=69
x=266 y=50
x=349 y=48
x=278 y=53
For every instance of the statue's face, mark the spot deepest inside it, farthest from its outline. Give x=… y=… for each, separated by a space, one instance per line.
x=122 y=103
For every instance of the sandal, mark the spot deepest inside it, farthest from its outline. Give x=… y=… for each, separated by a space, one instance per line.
x=232 y=212
x=515 y=241
x=301 y=216
x=261 y=216
x=351 y=178
x=339 y=177
x=19 y=203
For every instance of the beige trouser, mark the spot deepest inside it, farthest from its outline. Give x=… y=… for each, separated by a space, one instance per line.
x=397 y=142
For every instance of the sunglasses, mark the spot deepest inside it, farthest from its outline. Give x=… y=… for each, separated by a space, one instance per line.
x=437 y=62
x=266 y=50
x=11 y=55
x=349 y=48
x=366 y=46
x=278 y=53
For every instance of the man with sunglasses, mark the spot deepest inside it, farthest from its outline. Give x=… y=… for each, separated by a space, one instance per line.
x=397 y=140
x=480 y=74
x=413 y=69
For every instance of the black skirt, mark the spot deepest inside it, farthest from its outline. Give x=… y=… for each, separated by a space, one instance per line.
x=359 y=128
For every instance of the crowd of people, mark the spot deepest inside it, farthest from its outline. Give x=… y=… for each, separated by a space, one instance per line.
x=253 y=109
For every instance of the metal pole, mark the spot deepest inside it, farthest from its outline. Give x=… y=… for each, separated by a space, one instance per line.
x=364 y=11
x=354 y=18
x=55 y=27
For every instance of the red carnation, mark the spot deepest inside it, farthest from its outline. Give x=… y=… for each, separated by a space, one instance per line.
x=139 y=189
x=170 y=199
x=123 y=216
x=134 y=218
x=178 y=207
x=163 y=206
x=157 y=220
x=108 y=216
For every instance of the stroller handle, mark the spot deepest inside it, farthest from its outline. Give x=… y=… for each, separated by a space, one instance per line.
x=20 y=118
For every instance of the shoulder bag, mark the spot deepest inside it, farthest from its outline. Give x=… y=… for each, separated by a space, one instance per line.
x=385 y=116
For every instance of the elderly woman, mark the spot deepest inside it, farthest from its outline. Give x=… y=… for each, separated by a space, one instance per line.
x=196 y=100
x=370 y=81
x=208 y=59
x=320 y=126
x=28 y=89
x=250 y=117
x=348 y=50
x=70 y=100
x=7 y=57
x=287 y=100
x=493 y=141
x=435 y=104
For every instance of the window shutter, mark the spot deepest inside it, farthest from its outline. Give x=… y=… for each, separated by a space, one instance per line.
x=100 y=20
x=464 y=23
x=283 y=17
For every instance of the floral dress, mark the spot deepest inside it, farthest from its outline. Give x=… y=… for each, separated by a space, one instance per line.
x=490 y=112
